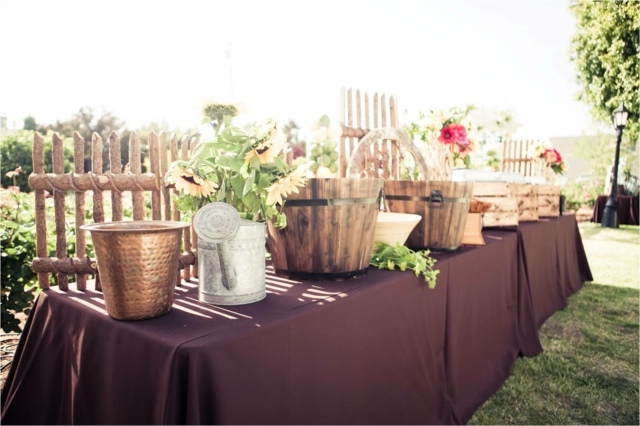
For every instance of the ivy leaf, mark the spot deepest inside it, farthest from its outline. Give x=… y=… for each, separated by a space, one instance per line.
x=386 y=256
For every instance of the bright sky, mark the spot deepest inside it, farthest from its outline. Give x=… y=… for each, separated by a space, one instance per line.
x=160 y=60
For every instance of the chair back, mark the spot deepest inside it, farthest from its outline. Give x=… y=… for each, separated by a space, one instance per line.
x=380 y=153
x=359 y=114
x=516 y=159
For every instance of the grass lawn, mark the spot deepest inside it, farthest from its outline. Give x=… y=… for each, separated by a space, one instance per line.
x=588 y=372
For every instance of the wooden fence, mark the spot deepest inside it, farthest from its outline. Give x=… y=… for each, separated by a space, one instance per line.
x=118 y=181
x=359 y=114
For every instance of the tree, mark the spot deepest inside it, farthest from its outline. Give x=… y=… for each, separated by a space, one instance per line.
x=605 y=52
x=86 y=123
x=29 y=123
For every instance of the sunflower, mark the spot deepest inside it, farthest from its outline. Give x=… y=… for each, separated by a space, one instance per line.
x=187 y=181
x=285 y=186
x=269 y=148
x=216 y=111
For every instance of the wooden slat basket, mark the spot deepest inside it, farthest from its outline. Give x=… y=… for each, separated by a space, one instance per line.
x=504 y=209
x=330 y=230
x=527 y=198
x=548 y=200
x=443 y=205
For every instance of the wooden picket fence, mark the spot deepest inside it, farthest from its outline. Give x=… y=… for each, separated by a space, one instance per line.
x=118 y=181
x=359 y=114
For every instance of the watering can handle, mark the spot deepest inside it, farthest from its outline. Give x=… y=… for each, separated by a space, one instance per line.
x=229 y=279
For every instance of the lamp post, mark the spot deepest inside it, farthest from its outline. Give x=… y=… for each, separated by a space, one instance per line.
x=610 y=216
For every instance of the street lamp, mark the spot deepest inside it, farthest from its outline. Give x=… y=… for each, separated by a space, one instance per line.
x=610 y=216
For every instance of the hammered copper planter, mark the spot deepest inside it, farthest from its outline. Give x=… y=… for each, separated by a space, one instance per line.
x=138 y=266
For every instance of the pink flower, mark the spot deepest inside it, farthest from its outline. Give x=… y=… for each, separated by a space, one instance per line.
x=550 y=155
x=558 y=156
x=454 y=133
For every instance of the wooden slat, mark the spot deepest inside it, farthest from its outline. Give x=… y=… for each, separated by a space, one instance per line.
x=98 y=196
x=115 y=166
x=96 y=167
x=166 y=198
x=59 y=208
x=135 y=166
x=41 y=219
x=156 y=202
x=191 y=239
x=78 y=168
x=174 y=157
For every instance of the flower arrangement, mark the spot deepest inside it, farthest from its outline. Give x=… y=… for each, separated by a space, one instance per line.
x=448 y=136
x=324 y=145
x=549 y=156
x=240 y=167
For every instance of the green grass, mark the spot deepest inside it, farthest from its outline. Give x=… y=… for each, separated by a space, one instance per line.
x=589 y=370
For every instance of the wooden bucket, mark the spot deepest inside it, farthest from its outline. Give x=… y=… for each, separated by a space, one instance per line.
x=444 y=207
x=330 y=230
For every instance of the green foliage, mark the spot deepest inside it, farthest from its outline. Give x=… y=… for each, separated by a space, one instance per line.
x=17 y=235
x=605 y=52
x=386 y=256
x=29 y=123
x=582 y=193
x=16 y=151
x=599 y=152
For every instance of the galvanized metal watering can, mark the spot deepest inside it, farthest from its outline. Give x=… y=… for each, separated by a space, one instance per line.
x=231 y=256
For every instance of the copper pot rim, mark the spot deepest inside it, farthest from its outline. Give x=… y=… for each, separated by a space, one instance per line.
x=146 y=226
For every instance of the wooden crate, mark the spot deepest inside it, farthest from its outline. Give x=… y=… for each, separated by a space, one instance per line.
x=548 y=200
x=473 y=230
x=527 y=198
x=504 y=209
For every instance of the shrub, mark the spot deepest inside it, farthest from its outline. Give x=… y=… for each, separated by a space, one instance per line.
x=17 y=235
x=584 y=193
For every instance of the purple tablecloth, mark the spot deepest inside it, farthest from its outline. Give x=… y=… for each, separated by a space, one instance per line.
x=383 y=349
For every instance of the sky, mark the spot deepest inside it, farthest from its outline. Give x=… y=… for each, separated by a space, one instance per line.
x=161 y=60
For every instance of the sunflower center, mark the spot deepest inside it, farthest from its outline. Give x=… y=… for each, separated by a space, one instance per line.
x=262 y=150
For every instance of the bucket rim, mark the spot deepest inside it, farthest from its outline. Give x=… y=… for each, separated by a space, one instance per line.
x=135 y=226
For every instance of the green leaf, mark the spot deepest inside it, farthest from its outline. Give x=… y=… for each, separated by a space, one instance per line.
x=237 y=184
x=230 y=162
x=10 y=224
x=248 y=184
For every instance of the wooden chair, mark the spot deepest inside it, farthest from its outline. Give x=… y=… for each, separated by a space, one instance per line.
x=359 y=114
x=380 y=152
x=119 y=182
x=515 y=158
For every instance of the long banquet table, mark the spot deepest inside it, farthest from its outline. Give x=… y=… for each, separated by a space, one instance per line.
x=384 y=349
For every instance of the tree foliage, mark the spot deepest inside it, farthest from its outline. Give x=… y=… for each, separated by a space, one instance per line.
x=605 y=52
x=16 y=152
x=86 y=123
